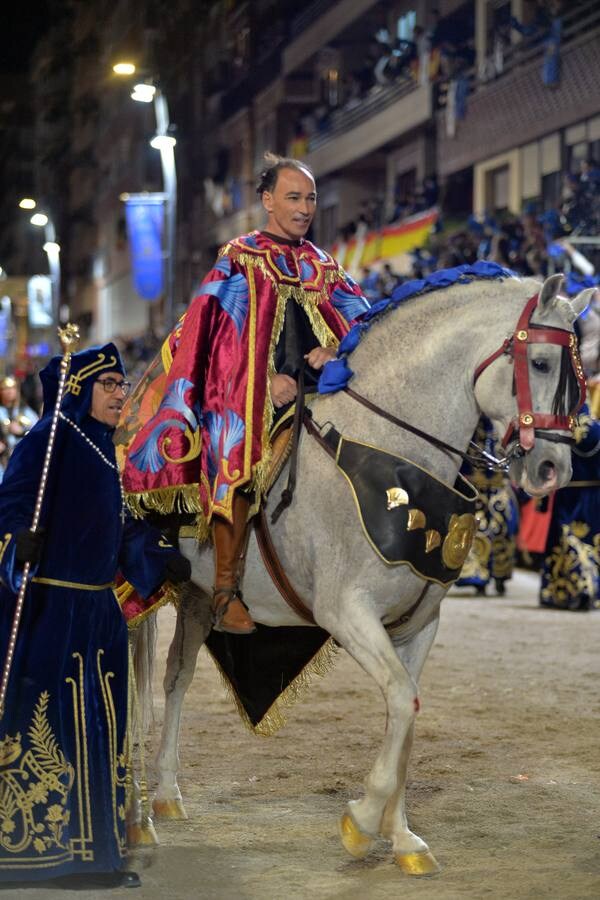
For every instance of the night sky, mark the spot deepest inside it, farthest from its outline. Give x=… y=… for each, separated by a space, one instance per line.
x=22 y=26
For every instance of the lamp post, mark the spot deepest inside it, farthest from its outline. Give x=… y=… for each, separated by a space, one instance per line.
x=52 y=250
x=149 y=92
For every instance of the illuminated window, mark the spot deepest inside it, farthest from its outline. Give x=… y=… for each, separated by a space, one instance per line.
x=405 y=25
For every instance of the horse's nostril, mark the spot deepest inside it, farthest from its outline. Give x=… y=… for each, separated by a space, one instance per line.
x=547 y=471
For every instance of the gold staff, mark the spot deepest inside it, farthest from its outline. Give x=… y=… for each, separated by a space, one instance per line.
x=68 y=336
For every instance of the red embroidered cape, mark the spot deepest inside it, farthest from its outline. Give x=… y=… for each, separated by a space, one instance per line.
x=197 y=426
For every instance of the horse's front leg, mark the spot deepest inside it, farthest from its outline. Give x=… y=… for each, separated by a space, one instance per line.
x=353 y=621
x=191 y=630
x=411 y=853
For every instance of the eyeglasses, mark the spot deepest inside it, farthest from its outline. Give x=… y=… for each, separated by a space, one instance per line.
x=110 y=385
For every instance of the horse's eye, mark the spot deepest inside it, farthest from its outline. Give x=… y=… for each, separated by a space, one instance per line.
x=541 y=365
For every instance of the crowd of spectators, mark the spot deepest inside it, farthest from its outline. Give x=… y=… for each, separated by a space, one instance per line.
x=534 y=243
x=433 y=54
x=138 y=352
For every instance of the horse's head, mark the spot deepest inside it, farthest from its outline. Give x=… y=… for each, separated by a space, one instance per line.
x=535 y=416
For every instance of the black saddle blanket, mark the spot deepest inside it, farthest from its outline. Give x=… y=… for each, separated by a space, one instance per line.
x=260 y=667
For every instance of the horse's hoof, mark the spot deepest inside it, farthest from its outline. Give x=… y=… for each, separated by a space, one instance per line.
x=169 y=809
x=354 y=840
x=423 y=863
x=142 y=835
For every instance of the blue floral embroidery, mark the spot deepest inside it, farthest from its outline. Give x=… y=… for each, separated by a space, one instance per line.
x=148 y=458
x=282 y=265
x=223 y=266
x=214 y=424
x=221 y=491
x=350 y=305
x=307 y=273
x=234 y=432
x=232 y=294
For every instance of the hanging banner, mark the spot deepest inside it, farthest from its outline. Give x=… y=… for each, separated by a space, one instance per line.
x=39 y=301
x=144 y=217
x=5 y=309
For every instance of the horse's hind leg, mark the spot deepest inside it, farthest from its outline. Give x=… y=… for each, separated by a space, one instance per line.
x=360 y=632
x=193 y=625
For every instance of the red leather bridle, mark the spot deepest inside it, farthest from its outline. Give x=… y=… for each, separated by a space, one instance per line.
x=528 y=423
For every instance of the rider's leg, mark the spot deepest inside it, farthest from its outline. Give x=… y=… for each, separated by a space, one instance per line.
x=229 y=542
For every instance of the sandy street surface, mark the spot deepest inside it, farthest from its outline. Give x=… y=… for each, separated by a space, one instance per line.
x=509 y=690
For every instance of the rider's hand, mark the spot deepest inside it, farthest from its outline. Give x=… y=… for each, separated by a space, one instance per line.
x=29 y=546
x=283 y=390
x=319 y=356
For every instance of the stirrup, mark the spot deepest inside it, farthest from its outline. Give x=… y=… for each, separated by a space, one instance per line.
x=218 y=612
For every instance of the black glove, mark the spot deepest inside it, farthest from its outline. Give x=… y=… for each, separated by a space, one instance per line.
x=178 y=568
x=29 y=546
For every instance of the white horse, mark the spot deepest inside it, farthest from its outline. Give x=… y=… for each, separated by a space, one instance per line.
x=418 y=362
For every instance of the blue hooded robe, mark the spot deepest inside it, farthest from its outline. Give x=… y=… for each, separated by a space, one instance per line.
x=571 y=568
x=63 y=750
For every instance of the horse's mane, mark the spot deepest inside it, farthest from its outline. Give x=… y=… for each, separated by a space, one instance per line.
x=337 y=373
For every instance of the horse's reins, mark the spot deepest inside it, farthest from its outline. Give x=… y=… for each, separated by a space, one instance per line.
x=522 y=429
x=480 y=459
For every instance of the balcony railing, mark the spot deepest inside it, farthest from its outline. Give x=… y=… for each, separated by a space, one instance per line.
x=378 y=99
x=309 y=14
x=577 y=20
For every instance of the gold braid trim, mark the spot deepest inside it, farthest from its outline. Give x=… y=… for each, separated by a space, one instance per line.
x=274 y=719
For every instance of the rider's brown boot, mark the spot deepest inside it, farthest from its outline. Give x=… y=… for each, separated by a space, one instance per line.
x=229 y=610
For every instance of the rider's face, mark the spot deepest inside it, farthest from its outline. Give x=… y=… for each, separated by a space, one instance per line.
x=291 y=204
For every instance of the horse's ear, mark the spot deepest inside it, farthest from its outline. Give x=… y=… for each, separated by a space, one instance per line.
x=581 y=302
x=549 y=292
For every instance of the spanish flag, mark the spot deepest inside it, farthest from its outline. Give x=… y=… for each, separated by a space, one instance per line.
x=387 y=242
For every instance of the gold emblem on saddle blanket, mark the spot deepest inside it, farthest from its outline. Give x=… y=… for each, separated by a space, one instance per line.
x=457 y=542
x=396 y=497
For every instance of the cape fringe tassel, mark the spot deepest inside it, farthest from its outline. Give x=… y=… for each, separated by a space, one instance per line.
x=274 y=718
x=172 y=594
x=178 y=498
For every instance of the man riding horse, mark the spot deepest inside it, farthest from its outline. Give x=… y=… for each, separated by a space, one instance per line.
x=272 y=301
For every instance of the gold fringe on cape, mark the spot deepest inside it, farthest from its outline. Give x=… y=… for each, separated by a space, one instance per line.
x=274 y=719
x=172 y=594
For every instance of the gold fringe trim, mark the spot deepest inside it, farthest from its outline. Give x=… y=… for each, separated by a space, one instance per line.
x=171 y=595
x=178 y=498
x=202 y=532
x=274 y=718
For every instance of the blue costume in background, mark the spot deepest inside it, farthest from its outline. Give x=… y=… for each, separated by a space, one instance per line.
x=492 y=554
x=63 y=749
x=571 y=568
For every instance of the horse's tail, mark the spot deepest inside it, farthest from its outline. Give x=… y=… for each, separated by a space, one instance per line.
x=144 y=653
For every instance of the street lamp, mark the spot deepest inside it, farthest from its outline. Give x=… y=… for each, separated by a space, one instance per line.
x=52 y=251
x=149 y=92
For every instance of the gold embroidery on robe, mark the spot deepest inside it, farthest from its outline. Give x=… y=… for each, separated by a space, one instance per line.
x=35 y=784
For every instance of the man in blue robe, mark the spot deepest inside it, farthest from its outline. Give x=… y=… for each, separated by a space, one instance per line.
x=571 y=566
x=64 y=757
